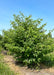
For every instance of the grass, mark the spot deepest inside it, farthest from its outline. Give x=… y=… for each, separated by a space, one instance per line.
x=4 y=69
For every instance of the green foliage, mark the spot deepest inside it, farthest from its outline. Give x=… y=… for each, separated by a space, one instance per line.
x=1 y=37
x=48 y=59
x=27 y=40
x=1 y=41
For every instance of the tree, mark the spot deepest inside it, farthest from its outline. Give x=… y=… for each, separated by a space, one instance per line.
x=27 y=40
x=1 y=40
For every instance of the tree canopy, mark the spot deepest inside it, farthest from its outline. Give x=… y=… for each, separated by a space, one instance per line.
x=28 y=41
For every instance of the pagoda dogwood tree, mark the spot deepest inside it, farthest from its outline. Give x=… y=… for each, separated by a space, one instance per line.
x=27 y=40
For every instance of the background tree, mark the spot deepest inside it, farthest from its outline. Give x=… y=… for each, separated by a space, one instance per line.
x=1 y=42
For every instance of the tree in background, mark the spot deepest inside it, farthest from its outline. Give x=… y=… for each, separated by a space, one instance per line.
x=1 y=42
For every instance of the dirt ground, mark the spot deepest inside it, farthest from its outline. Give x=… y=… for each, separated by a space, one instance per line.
x=19 y=70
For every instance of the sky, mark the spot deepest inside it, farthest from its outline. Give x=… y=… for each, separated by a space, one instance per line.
x=37 y=8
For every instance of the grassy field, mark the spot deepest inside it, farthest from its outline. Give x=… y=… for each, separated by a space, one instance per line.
x=4 y=69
